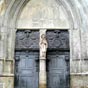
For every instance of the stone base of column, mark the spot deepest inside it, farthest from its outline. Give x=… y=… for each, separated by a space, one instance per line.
x=42 y=74
x=42 y=86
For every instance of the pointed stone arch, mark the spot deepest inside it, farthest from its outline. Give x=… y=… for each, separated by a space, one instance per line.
x=77 y=21
x=15 y=8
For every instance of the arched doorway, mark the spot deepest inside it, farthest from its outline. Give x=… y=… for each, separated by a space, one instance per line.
x=58 y=49
x=13 y=27
x=27 y=59
x=76 y=13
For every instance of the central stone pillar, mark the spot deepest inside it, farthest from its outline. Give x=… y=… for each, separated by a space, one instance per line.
x=43 y=48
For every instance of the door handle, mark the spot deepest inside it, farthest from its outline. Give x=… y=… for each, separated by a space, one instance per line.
x=67 y=58
x=17 y=58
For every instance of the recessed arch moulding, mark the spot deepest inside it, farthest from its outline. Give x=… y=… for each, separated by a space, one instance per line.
x=59 y=14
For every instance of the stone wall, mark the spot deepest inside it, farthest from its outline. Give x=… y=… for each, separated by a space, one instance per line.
x=72 y=15
x=79 y=81
x=6 y=82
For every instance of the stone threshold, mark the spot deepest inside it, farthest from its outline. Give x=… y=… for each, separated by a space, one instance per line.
x=79 y=74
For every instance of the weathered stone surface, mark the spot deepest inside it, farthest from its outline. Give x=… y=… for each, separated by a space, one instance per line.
x=2 y=7
x=72 y=14
x=1 y=67
x=7 y=82
x=43 y=14
x=79 y=81
x=8 y=67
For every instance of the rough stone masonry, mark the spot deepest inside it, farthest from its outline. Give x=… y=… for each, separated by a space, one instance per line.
x=49 y=14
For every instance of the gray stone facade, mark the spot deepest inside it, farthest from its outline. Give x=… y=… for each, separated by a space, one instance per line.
x=38 y=14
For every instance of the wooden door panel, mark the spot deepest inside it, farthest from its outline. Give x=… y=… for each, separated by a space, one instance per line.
x=26 y=71
x=58 y=39
x=58 y=71
x=27 y=39
x=26 y=59
x=58 y=66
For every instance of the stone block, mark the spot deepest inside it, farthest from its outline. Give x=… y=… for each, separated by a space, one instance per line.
x=6 y=82
x=79 y=81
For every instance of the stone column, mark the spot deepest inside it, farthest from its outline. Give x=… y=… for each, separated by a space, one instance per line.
x=43 y=49
x=3 y=42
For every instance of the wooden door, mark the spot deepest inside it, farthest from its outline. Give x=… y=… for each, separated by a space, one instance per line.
x=27 y=59
x=58 y=66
